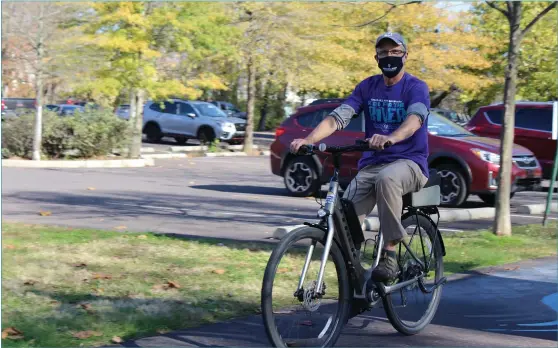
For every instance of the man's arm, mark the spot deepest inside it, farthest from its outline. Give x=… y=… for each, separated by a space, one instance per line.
x=337 y=120
x=416 y=115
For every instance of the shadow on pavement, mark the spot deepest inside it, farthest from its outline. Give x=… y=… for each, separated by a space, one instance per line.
x=479 y=311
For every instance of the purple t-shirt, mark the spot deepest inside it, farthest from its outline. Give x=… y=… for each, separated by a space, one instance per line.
x=385 y=109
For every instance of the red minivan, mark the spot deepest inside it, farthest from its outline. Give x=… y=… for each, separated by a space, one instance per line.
x=533 y=128
x=468 y=164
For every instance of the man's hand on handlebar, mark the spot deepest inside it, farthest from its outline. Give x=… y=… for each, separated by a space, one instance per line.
x=379 y=142
x=297 y=143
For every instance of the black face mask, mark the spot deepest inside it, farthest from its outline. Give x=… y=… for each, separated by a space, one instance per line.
x=390 y=66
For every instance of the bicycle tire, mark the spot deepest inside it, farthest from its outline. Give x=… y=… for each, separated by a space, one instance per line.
x=269 y=276
x=392 y=315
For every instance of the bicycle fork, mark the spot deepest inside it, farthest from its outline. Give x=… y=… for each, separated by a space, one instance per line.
x=328 y=209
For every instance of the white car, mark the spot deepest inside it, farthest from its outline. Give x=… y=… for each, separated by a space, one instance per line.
x=184 y=119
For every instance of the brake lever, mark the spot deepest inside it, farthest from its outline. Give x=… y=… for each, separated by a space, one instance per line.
x=363 y=142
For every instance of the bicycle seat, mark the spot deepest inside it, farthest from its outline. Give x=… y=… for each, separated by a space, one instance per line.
x=428 y=196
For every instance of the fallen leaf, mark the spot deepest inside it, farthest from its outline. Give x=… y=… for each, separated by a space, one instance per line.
x=30 y=282
x=101 y=276
x=219 y=271
x=511 y=268
x=158 y=287
x=86 y=306
x=45 y=213
x=80 y=265
x=116 y=339
x=172 y=284
x=121 y=227
x=86 y=334
x=143 y=236
x=282 y=270
x=91 y=188
x=54 y=302
x=9 y=246
x=12 y=333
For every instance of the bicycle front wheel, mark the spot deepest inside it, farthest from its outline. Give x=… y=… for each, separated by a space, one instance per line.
x=293 y=316
x=410 y=310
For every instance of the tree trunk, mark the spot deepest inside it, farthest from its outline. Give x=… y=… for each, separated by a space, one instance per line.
x=38 y=127
x=502 y=222
x=137 y=125
x=131 y=120
x=251 y=89
x=265 y=105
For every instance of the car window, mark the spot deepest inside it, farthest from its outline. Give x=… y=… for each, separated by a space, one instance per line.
x=441 y=126
x=184 y=109
x=310 y=119
x=169 y=108
x=155 y=107
x=209 y=110
x=536 y=119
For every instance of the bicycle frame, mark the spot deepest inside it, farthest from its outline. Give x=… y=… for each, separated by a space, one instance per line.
x=333 y=221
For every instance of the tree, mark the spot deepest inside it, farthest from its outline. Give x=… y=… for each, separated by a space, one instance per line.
x=31 y=35
x=514 y=15
x=537 y=77
x=146 y=45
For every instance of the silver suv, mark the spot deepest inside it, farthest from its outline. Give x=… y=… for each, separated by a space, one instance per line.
x=184 y=119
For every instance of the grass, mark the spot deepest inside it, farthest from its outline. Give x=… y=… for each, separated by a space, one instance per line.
x=58 y=282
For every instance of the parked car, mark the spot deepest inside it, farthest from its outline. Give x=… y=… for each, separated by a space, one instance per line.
x=13 y=107
x=183 y=120
x=123 y=111
x=533 y=128
x=468 y=164
x=230 y=109
x=69 y=109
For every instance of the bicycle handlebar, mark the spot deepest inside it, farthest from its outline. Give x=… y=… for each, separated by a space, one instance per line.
x=359 y=146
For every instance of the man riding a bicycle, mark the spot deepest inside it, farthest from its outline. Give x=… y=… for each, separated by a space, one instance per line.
x=396 y=105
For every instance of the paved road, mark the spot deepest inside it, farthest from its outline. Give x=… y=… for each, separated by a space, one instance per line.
x=213 y=197
x=503 y=308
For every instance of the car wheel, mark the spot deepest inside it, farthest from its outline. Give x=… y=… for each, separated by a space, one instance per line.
x=180 y=140
x=301 y=177
x=153 y=133
x=206 y=136
x=490 y=198
x=453 y=188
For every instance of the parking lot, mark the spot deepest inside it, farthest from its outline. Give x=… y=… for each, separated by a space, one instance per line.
x=235 y=197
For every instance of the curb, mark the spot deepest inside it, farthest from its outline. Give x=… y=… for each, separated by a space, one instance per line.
x=225 y=154
x=373 y=223
x=205 y=148
x=165 y=155
x=534 y=209
x=126 y=163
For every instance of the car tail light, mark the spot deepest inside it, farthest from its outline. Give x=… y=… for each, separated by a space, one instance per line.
x=3 y=105
x=279 y=131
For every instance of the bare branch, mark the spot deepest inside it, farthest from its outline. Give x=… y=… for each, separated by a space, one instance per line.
x=504 y=12
x=536 y=19
x=393 y=6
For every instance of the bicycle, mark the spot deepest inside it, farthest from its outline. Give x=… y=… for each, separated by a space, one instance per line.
x=340 y=234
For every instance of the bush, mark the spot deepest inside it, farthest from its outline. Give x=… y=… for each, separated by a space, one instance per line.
x=89 y=134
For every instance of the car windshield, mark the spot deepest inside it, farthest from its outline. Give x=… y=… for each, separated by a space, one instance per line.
x=210 y=110
x=439 y=125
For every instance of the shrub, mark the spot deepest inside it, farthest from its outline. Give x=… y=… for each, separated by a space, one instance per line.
x=92 y=133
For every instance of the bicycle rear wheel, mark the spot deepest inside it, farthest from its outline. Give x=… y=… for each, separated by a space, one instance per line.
x=295 y=318
x=410 y=310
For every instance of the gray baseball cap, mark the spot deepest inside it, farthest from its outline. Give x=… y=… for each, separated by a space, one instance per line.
x=395 y=37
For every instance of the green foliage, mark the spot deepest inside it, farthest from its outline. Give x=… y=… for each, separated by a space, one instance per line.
x=84 y=135
x=537 y=77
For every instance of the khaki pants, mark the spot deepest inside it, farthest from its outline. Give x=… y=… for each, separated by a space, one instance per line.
x=385 y=185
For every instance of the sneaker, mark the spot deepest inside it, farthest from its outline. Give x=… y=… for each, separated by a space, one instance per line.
x=388 y=268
